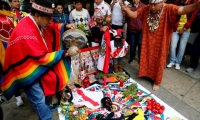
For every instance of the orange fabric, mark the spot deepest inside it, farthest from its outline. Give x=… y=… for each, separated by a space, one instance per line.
x=155 y=45
x=2 y=54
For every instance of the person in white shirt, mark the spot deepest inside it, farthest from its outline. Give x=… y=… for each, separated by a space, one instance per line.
x=103 y=6
x=117 y=15
x=80 y=17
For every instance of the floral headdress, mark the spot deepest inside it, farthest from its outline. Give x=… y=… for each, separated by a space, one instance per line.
x=98 y=14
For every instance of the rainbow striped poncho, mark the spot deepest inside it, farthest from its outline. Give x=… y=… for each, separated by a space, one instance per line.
x=31 y=57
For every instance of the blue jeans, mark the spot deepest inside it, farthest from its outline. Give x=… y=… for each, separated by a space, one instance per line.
x=174 y=44
x=194 y=59
x=134 y=40
x=37 y=98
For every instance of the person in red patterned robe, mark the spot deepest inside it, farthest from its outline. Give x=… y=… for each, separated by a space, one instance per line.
x=158 y=19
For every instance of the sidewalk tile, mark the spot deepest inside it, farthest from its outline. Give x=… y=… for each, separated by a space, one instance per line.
x=187 y=111
x=193 y=96
x=176 y=82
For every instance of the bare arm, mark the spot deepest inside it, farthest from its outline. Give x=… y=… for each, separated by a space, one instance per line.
x=189 y=8
x=128 y=11
x=111 y=5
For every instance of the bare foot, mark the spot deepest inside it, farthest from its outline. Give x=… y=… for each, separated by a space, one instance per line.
x=155 y=86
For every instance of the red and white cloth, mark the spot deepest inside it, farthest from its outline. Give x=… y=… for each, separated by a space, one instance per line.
x=108 y=50
x=91 y=99
x=118 y=52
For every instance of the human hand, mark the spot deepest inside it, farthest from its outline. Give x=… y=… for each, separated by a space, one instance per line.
x=181 y=31
x=115 y=1
x=73 y=50
x=15 y=17
x=70 y=26
x=123 y=7
x=111 y=54
x=129 y=5
x=104 y=28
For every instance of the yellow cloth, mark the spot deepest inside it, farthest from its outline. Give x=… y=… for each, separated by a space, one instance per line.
x=24 y=14
x=182 y=22
x=140 y=115
x=6 y=13
x=2 y=53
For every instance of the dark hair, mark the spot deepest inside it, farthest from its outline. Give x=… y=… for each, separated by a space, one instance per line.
x=59 y=3
x=26 y=7
x=4 y=5
x=10 y=0
x=78 y=1
x=26 y=1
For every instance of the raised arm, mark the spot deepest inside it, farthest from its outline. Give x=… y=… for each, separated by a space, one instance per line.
x=189 y=8
x=128 y=11
x=112 y=4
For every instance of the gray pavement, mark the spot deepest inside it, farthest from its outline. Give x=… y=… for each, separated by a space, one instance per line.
x=179 y=90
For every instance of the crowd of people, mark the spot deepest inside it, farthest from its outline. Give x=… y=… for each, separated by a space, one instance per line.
x=158 y=30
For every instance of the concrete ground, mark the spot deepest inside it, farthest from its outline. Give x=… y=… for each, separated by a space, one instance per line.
x=179 y=90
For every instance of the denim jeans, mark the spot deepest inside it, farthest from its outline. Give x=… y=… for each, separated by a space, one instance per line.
x=194 y=59
x=177 y=58
x=37 y=98
x=134 y=40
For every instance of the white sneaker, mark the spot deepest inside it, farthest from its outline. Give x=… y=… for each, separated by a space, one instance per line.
x=189 y=70
x=19 y=101
x=170 y=65
x=177 y=66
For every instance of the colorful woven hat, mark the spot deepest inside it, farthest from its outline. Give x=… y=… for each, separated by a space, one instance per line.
x=155 y=1
x=45 y=7
x=98 y=14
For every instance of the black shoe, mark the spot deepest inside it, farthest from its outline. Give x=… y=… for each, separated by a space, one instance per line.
x=1 y=93
x=130 y=61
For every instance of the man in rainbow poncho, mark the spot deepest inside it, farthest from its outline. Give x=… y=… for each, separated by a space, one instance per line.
x=39 y=64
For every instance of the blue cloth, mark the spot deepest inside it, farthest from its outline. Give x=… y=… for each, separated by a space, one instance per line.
x=63 y=18
x=194 y=59
x=134 y=40
x=177 y=58
x=36 y=95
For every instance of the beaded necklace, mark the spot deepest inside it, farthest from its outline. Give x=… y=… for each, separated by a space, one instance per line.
x=154 y=19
